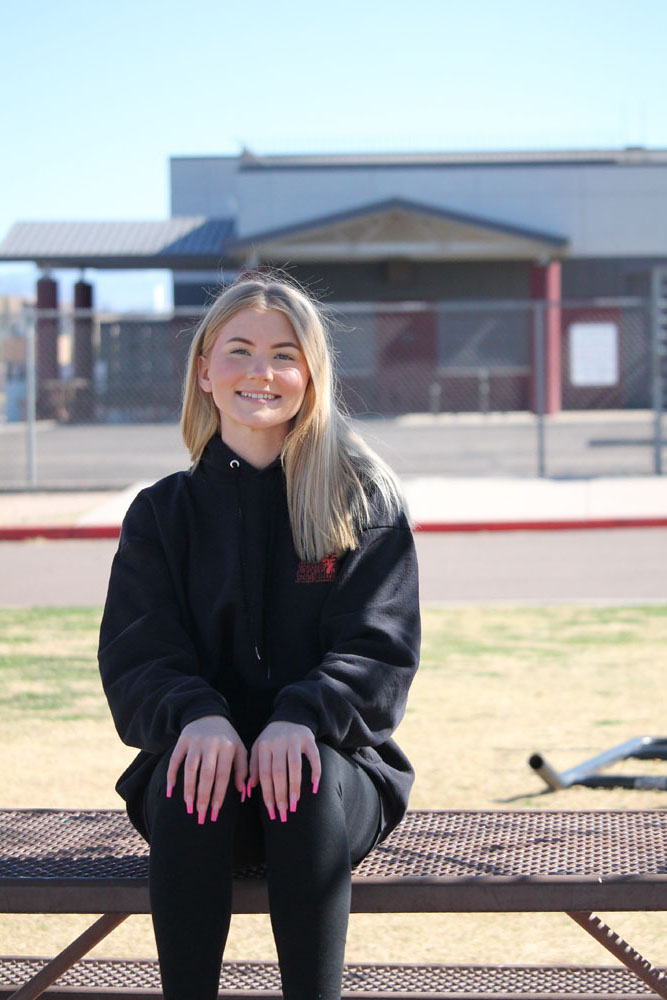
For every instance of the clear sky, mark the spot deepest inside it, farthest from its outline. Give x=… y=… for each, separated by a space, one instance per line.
x=97 y=96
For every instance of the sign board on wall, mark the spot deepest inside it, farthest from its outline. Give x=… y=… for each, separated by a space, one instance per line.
x=593 y=354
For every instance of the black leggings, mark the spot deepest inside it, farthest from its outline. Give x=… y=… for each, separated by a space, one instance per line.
x=308 y=861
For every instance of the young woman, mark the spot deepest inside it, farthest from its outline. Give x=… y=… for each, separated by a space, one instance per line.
x=260 y=635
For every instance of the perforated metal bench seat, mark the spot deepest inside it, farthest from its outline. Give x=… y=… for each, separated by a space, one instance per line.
x=59 y=861
x=88 y=861
x=123 y=979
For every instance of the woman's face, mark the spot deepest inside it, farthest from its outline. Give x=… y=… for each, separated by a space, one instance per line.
x=257 y=375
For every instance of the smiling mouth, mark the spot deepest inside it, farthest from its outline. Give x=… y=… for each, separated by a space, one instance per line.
x=268 y=396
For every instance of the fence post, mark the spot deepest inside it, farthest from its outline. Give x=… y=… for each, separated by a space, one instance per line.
x=659 y=345
x=31 y=395
x=539 y=333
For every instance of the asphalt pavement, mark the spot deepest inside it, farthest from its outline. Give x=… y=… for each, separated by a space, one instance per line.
x=622 y=565
x=440 y=461
x=576 y=444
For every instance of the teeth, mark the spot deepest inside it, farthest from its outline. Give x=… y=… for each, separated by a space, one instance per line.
x=258 y=395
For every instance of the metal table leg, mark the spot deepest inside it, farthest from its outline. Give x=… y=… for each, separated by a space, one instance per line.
x=624 y=952
x=71 y=954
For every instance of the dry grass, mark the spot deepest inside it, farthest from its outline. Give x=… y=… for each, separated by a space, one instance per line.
x=495 y=685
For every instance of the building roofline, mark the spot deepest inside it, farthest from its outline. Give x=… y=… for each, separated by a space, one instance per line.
x=629 y=156
x=622 y=156
x=392 y=204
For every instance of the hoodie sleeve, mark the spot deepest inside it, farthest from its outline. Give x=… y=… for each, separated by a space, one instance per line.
x=148 y=663
x=370 y=629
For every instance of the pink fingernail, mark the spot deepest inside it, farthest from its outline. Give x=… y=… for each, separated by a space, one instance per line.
x=249 y=786
x=215 y=811
x=188 y=804
x=201 y=814
x=316 y=785
x=170 y=789
x=243 y=794
x=282 y=810
x=271 y=811
x=292 y=802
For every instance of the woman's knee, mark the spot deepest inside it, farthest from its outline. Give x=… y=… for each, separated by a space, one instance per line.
x=171 y=813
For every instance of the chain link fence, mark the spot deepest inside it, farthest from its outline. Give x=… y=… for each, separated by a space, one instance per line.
x=453 y=389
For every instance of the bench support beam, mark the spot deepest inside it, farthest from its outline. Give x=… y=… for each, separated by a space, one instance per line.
x=71 y=954
x=621 y=950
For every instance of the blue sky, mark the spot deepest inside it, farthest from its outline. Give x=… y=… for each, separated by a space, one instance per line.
x=97 y=96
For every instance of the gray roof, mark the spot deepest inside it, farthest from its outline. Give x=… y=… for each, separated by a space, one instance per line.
x=183 y=242
x=631 y=155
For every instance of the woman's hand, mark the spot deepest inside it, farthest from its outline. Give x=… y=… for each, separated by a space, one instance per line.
x=211 y=747
x=275 y=763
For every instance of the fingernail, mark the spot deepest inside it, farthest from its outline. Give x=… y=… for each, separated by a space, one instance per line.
x=249 y=786
x=316 y=785
x=188 y=804
x=201 y=814
x=243 y=794
x=282 y=809
x=170 y=789
x=214 y=813
x=271 y=811
x=292 y=802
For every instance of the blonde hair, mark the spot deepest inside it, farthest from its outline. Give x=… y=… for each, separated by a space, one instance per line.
x=329 y=470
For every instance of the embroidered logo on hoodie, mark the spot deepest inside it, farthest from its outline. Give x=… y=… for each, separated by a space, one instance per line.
x=323 y=571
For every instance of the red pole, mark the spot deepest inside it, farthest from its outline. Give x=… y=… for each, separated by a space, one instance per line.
x=546 y=287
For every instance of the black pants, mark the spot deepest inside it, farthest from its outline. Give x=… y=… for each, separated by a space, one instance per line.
x=308 y=861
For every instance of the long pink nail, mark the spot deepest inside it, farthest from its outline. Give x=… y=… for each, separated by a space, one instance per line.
x=243 y=794
x=292 y=802
x=316 y=785
x=249 y=787
x=282 y=810
x=271 y=811
x=201 y=814
x=188 y=804
x=215 y=810
x=170 y=789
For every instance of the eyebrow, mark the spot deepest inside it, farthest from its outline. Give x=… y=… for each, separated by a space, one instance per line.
x=244 y=340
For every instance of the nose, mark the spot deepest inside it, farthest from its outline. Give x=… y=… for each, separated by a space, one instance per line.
x=261 y=367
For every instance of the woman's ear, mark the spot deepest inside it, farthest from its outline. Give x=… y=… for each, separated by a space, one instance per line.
x=203 y=376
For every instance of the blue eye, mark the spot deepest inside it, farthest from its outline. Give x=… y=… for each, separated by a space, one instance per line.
x=284 y=357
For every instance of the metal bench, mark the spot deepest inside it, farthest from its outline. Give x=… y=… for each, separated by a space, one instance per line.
x=56 y=861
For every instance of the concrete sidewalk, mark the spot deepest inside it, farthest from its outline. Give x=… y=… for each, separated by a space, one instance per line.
x=436 y=503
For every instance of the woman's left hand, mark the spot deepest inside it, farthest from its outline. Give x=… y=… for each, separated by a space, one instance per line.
x=275 y=764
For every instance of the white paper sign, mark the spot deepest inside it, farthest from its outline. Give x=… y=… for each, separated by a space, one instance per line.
x=594 y=354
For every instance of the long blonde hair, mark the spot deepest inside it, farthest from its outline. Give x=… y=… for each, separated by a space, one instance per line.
x=329 y=470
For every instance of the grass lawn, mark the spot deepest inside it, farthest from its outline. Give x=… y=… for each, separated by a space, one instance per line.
x=496 y=683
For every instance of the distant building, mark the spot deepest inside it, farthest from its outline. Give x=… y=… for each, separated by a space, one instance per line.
x=434 y=226
x=554 y=227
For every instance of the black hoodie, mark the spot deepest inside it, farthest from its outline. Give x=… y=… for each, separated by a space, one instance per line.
x=210 y=612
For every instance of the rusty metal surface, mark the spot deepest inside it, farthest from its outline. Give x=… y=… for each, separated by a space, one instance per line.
x=262 y=979
x=484 y=861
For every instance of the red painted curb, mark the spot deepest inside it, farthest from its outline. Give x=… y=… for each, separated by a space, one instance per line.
x=20 y=533
x=24 y=532
x=608 y=522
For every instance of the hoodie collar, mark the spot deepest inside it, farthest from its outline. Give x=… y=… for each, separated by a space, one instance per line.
x=219 y=461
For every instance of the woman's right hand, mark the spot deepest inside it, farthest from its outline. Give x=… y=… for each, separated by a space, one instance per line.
x=211 y=749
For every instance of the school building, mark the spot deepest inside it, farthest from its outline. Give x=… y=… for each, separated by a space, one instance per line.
x=434 y=259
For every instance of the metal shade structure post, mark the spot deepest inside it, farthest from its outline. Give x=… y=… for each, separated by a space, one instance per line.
x=659 y=351
x=539 y=334
x=31 y=396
